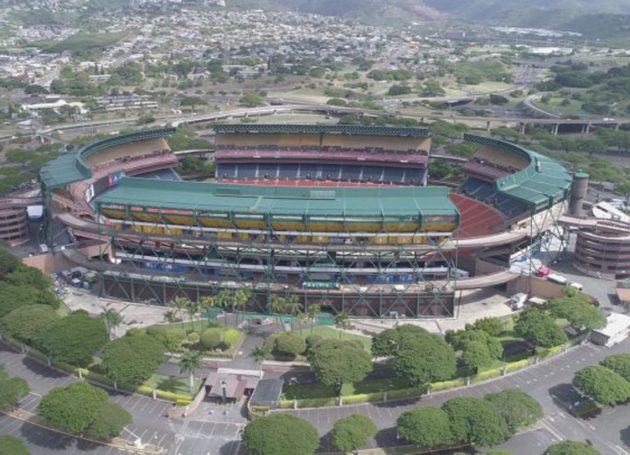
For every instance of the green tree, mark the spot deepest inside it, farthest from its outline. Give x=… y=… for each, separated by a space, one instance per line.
x=290 y=344
x=189 y=363
x=8 y=262
x=251 y=99
x=427 y=427
x=539 y=328
x=570 y=448
x=75 y=338
x=28 y=323
x=491 y=325
x=180 y=303
x=475 y=421
x=518 y=409
x=109 y=421
x=603 y=385
x=12 y=446
x=192 y=101
x=476 y=356
x=619 y=363
x=341 y=322
x=312 y=313
x=417 y=355
x=352 y=432
x=259 y=354
x=337 y=362
x=72 y=408
x=131 y=360
x=112 y=320
x=11 y=389
x=579 y=311
x=211 y=338
x=280 y=434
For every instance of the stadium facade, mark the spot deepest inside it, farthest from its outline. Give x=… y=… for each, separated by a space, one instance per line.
x=338 y=215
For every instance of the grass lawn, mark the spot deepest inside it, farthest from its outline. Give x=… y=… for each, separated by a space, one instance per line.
x=172 y=384
x=327 y=332
x=318 y=390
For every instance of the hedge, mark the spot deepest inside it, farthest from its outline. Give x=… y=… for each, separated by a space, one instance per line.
x=486 y=374
x=445 y=385
x=514 y=366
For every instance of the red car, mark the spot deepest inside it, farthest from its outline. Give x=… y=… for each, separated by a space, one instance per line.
x=543 y=271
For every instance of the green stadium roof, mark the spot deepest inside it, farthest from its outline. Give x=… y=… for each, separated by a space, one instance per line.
x=71 y=167
x=326 y=129
x=542 y=183
x=371 y=202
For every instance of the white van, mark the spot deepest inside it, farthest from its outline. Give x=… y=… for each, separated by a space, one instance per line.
x=517 y=301
x=555 y=278
x=577 y=286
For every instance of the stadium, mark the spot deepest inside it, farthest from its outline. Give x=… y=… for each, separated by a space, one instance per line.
x=340 y=216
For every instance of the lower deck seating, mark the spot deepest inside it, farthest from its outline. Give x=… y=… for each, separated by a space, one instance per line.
x=476 y=218
x=320 y=172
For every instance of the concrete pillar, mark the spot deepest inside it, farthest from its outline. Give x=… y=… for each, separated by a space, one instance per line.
x=522 y=128
x=488 y=123
x=295 y=406
x=617 y=125
x=340 y=401
x=588 y=128
x=467 y=380
x=429 y=389
x=556 y=127
x=153 y=394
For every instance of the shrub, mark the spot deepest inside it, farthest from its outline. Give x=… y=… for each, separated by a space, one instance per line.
x=231 y=337
x=211 y=338
x=193 y=337
x=352 y=432
x=311 y=341
x=518 y=409
x=571 y=448
x=290 y=344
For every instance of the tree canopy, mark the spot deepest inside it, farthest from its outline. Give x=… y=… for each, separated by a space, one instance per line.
x=75 y=338
x=417 y=355
x=109 y=421
x=280 y=434
x=28 y=323
x=475 y=421
x=72 y=408
x=427 y=427
x=603 y=385
x=539 y=328
x=352 y=432
x=619 y=363
x=578 y=310
x=290 y=344
x=11 y=389
x=479 y=348
x=131 y=360
x=518 y=409
x=337 y=362
x=12 y=446
x=571 y=448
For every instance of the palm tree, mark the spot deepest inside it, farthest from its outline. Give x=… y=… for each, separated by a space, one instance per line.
x=341 y=322
x=180 y=303
x=189 y=363
x=241 y=297
x=192 y=308
x=224 y=299
x=170 y=316
x=112 y=320
x=302 y=317
x=207 y=302
x=313 y=312
x=259 y=354
x=276 y=304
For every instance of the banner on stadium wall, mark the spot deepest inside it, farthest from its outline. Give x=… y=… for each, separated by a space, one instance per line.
x=438 y=219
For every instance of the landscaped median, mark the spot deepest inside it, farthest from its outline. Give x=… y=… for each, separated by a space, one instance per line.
x=417 y=392
x=98 y=378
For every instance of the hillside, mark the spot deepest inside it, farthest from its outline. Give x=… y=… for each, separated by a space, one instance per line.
x=608 y=21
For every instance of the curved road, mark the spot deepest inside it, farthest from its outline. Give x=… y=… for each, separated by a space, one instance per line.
x=549 y=382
